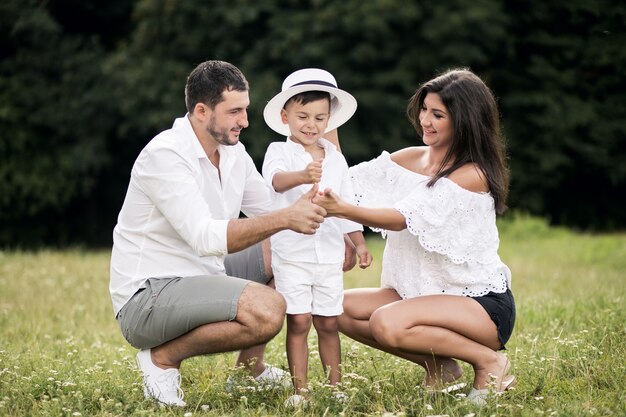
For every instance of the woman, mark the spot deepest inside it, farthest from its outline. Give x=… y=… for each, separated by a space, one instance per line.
x=445 y=293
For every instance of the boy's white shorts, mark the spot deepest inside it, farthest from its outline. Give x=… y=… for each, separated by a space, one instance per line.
x=309 y=287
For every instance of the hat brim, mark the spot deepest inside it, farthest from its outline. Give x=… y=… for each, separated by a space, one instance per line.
x=343 y=106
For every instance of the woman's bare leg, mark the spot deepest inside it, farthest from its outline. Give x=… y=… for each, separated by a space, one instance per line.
x=360 y=304
x=443 y=325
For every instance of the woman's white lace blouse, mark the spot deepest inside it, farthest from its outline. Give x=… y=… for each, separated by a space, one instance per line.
x=450 y=245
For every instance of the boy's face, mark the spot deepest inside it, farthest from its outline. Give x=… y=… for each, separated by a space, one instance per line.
x=307 y=122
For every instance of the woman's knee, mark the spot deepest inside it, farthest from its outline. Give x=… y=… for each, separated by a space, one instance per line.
x=384 y=329
x=350 y=304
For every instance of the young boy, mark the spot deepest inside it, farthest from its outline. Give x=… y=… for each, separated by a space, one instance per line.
x=308 y=269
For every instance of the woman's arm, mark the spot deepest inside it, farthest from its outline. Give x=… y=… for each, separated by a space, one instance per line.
x=333 y=138
x=382 y=218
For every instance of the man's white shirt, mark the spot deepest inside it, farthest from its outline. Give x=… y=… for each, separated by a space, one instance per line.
x=174 y=218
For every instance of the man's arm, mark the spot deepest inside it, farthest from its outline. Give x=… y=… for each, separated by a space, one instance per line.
x=302 y=216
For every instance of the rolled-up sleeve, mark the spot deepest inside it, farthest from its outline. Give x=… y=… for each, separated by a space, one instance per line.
x=168 y=181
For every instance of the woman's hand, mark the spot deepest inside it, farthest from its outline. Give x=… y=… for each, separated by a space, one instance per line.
x=330 y=201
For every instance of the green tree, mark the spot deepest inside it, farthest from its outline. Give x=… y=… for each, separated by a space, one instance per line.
x=85 y=85
x=378 y=50
x=54 y=120
x=561 y=83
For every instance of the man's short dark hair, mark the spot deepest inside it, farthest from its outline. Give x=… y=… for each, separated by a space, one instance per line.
x=209 y=80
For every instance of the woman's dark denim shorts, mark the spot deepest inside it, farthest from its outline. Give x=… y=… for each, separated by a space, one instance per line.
x=501 y=309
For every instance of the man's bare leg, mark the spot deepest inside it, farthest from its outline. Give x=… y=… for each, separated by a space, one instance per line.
x=252 y=358
x=260 y=316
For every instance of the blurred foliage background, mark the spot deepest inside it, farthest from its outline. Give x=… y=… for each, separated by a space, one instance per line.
x=84 y=85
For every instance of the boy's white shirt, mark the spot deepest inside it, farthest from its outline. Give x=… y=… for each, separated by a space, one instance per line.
x=327 y=244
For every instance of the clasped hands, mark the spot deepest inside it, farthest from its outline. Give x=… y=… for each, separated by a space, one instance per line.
x=311 y=208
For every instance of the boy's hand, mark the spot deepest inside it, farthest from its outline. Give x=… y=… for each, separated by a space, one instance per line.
x=349 y=254
x=365 y=257
x=312 y=174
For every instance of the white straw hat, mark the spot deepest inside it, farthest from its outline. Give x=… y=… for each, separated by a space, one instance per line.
x=342 y=103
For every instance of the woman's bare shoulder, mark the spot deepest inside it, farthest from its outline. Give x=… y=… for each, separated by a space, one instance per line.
x=407 y=156
x=470 y=177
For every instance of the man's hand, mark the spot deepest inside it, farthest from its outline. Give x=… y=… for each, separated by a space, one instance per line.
x=304 y=216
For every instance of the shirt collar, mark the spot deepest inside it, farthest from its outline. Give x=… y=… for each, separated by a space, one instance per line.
x=327 y=145
x=184 y=125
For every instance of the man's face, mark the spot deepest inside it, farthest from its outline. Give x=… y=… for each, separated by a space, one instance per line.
x=229 y=118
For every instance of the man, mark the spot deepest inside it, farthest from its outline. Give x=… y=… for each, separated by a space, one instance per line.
x=172 y=293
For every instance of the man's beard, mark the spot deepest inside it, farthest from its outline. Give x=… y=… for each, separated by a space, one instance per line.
x=221 y=137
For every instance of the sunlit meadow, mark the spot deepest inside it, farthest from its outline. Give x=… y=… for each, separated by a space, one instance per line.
x=61 y=353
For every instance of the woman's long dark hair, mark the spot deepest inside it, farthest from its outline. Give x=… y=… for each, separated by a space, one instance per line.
x=476 y=128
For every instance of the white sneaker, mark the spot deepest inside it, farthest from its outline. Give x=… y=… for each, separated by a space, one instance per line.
x=295 y=401
x=271 y=377
x=340 y=396
x=162 y=385
x=275 y=377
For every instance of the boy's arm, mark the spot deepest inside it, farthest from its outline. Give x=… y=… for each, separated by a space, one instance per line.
x=365 y=257
x=286 y=180
x=349 y=254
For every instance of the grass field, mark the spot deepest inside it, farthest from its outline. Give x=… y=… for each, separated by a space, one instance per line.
x=61 y=353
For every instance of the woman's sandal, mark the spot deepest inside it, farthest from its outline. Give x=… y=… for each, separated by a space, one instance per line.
x=449 y=386
x=445 y=390
x=479 y=396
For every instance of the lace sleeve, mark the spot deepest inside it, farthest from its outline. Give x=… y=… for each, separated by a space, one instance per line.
x=370 y=183
x=452 y=221
x=374 y=184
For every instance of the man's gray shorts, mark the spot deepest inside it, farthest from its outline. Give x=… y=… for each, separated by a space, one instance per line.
x=170 y=307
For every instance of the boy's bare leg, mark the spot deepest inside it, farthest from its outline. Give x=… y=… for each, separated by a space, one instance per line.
x=329 y=345
x=298 y=326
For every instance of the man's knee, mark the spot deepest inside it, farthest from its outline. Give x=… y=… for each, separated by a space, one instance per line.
x=262 y=308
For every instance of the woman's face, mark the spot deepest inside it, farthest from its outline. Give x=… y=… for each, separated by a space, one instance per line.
x=436 y=123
